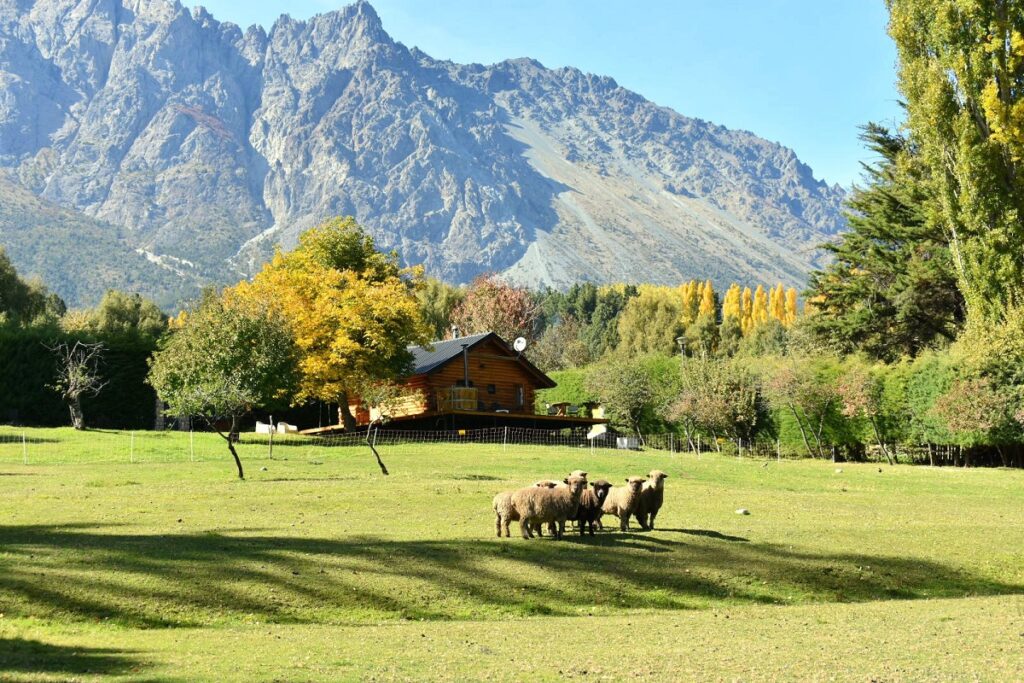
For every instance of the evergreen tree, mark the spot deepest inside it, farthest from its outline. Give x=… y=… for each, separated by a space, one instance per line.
x=891 y=288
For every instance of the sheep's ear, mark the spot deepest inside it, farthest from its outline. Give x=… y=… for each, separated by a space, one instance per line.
x=566 y=480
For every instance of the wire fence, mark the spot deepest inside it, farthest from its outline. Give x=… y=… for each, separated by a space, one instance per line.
x=66 y=446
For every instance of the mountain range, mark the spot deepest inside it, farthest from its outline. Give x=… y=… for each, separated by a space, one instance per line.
x=184 y=149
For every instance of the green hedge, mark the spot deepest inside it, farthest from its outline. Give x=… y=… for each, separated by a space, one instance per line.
x=27 y=366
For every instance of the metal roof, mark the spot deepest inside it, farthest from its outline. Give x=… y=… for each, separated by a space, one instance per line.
x=427 y=358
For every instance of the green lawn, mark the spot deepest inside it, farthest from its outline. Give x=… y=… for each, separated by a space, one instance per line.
x=319 y=568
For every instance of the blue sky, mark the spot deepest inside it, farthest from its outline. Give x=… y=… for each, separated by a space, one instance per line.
x=804 y=73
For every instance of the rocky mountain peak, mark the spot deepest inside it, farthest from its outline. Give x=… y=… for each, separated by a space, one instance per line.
x=207 y=146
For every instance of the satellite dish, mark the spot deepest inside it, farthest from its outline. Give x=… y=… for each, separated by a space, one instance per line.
x=519 y=344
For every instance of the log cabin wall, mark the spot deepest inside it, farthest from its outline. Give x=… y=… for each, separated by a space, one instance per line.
x=494 y=374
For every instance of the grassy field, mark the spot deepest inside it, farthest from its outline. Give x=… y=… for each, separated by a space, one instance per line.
x=318 y=568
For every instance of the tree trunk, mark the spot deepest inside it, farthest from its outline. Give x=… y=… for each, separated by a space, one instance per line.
x=689 y=440
x=821 y=428
x=231 y=445
x=1002 y=456
x=348 y=421
x=77 y=418
x=380 y=463
x=803 y=432
x=931 y=455
x=878 y=438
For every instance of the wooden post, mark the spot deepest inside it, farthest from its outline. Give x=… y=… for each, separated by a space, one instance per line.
x=24 y=449
x=504 y=440
x=778 y=449
x=270 y=440
x=191 y=443
x=131 y=448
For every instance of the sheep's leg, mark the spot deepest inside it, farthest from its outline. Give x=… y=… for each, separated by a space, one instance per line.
x=497 y=524
x=524 y=528
x=624 y=523
x=506 y=524
x=561 y=528
x=553 y=529
x=651 y=523
x=641 y=520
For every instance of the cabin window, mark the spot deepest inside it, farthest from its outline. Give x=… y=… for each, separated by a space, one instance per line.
x=520 y=396
x=491 y=389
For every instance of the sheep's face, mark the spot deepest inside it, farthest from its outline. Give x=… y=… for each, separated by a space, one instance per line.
x=634 y=483
x=601 y=488
x=657 y=478
x=576 y=485
x=546 y=484
x=578 y=473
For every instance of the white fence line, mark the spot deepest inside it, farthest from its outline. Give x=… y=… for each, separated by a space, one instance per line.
x=55 y=447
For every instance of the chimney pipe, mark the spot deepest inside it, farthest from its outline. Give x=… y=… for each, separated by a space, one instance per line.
x=465 y=365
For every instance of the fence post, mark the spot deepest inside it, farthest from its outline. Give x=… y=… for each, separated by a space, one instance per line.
x=671 y=443
x=778 y=449
x=131 y=448
x=504 y=440
x=698 y=445
x=191 y=444
x=24 y=449
x=270 y=440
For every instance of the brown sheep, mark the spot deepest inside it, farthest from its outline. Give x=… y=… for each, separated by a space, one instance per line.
x=622 y=501
x=652 y=495
x=536 y=505
x=589 y=512
x=505 y=513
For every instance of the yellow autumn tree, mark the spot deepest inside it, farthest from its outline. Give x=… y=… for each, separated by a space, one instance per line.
x=650 y=322
x=777 y=303
x=760 y=315
x=747 y=318
x=690 y=302
x=352 y=310
x=791 y=304
x=731 y=304
x=707 y=300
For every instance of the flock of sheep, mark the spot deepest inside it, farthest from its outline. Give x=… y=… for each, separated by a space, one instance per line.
x=554 y=503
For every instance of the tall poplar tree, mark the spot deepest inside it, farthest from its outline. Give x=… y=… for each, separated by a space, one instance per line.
x=961 y=73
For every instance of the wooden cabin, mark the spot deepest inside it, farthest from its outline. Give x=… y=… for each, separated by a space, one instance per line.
x=471 y=382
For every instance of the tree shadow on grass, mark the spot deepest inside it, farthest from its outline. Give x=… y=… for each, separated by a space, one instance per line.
x=18 y=655
x=92 y=573
x=707 y=533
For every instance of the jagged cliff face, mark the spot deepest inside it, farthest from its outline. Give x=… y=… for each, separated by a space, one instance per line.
x=208 y=146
